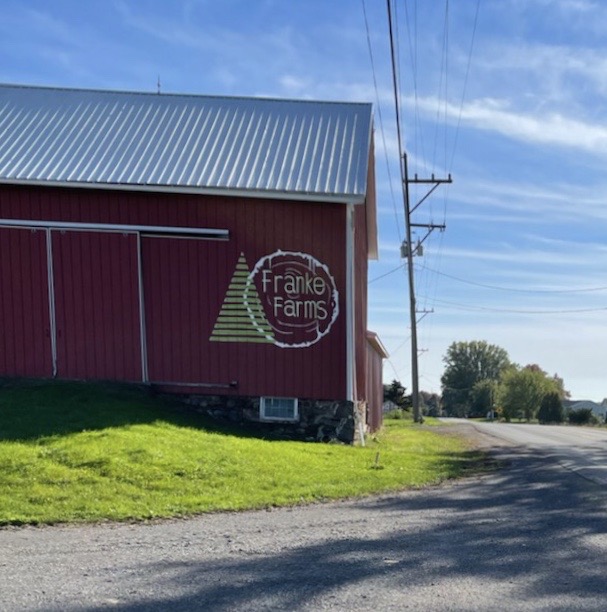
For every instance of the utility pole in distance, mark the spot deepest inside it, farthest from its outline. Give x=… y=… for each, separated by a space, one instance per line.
x=409 y=251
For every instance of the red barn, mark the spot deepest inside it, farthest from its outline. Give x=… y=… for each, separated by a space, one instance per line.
x=210 y=246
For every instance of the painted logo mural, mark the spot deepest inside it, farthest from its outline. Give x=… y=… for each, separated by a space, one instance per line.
x=288 y=299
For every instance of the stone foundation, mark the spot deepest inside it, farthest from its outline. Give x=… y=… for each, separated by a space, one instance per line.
x=319 y=421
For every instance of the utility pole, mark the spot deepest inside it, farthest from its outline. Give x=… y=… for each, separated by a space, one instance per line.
x=409 y=251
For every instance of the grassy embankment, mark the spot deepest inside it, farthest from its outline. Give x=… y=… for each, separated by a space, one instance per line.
x=75 y=452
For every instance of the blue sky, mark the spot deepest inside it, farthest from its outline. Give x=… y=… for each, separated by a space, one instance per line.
x=520 y=123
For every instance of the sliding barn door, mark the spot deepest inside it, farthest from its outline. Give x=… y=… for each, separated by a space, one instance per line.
x=97 y=305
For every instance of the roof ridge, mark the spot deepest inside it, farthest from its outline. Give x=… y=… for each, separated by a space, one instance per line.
x=180 y=94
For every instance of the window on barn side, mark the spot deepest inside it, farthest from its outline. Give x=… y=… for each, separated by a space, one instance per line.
x=278 y=409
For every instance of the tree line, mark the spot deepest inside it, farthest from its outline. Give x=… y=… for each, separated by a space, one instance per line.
x=480 y=378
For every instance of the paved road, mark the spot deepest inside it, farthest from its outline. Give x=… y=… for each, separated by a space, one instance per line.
x=532 y=536
x=580 y=449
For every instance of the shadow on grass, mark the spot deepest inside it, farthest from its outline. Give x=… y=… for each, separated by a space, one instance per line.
x=31 y=409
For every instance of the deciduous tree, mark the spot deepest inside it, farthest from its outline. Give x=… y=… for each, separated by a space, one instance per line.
x=522 y=390
x=483 y=396
x=466 y=364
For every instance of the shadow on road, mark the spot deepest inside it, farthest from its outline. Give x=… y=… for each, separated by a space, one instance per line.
x=532 y=525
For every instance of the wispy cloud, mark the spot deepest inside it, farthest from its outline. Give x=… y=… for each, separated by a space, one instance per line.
x=495 y=115
x=528 y=203
x=519 y=256
x=564 y=7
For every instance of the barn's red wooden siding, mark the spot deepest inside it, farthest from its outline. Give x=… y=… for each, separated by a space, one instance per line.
x=25 y=334
x=375 y=388
x=185 y=281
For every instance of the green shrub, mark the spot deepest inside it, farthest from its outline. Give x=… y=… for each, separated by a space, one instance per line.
x=582 y=416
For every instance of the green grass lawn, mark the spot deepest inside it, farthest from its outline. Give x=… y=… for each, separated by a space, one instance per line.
x=78 y=452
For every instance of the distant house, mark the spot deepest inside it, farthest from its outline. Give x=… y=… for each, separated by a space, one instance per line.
x=389 y=406
x=210 y=246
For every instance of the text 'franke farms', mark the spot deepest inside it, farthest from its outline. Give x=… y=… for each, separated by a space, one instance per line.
x=293 y=295
x=299 y=298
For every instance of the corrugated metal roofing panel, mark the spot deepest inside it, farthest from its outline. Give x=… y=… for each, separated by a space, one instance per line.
x=207 y=143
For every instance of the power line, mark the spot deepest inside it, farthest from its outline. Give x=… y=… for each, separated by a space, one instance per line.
x=419 y=141
x=459 y=120
x=444 y=69
x=429 y=284
x=461 y=108
x=418 y=135
x=399 y=267
x=381 y=121
x=495 y=287
x=517 y=311
x=507 y=289
x=396 y=96
x=396 y=373
x=406 y=203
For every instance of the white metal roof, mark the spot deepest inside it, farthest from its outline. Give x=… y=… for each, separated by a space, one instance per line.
x=204 y=144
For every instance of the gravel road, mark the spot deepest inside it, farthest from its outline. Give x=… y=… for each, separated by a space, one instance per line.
x=531 y=536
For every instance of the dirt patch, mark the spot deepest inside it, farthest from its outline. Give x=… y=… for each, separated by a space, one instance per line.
x=460 y=430
x=481 y=445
